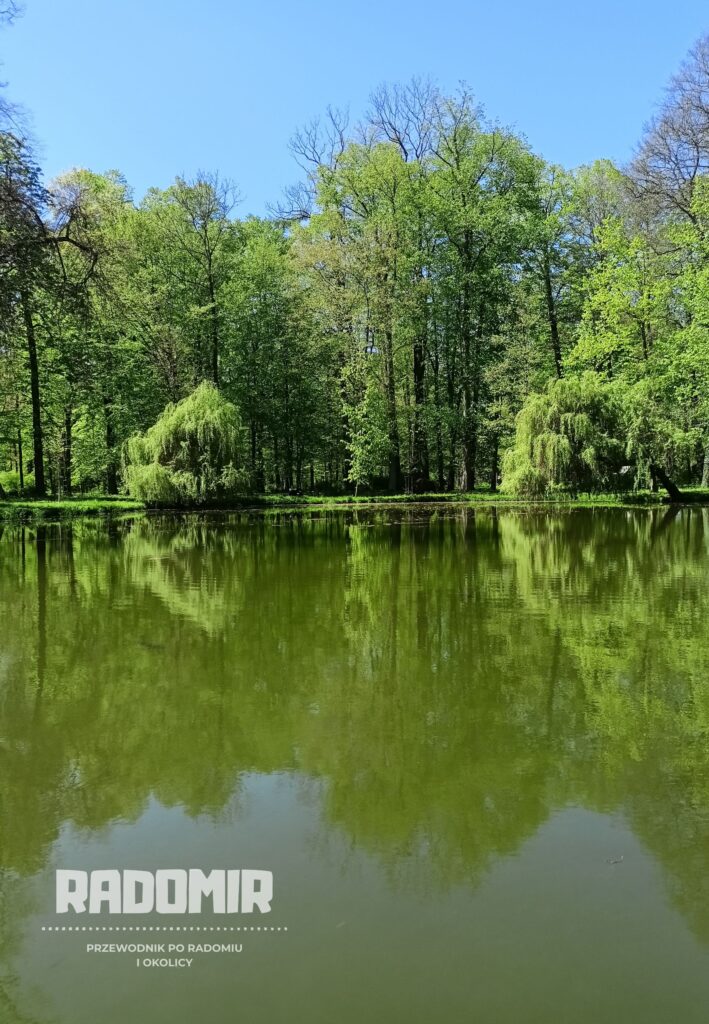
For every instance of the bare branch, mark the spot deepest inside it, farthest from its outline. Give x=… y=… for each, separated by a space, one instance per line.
x=675 y=149
x=406 y=116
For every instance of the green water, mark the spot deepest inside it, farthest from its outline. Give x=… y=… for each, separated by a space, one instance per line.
x=472 y=747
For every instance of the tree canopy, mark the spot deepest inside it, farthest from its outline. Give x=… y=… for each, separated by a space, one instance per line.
x=432 y=306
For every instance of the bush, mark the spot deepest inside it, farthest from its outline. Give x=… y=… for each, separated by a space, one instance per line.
x=10 y=483
x=566 y=439
x=192 y=454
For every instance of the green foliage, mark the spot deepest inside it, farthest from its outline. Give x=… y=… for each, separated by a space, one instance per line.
x=193 y=453
x=429 y=279
x=590 y=706
x=568 y=437
x=10 y=482
x=47 y=510
x=369 y=442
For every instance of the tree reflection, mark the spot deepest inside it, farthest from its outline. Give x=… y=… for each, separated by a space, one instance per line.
x=451 y=676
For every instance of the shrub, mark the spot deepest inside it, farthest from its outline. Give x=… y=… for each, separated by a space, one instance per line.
x=10 y=483
x=566 y=438
x=192 y=454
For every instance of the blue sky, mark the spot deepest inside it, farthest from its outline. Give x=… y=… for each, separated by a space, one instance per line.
x=161 y=87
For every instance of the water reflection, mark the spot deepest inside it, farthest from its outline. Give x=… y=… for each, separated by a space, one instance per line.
x=441 y=682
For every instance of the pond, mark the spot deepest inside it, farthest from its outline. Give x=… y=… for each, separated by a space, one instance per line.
x=472 y=747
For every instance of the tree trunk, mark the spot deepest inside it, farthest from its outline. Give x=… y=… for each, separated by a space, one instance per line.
x=468 y=433
x=52 y=481
x=471 y=344
x=214 y=320
x=288 y=463
x=553 y=320
x=345 y=432
x=67 y=449
x=440 y=470
x=454 y=407
x=37 y=436
x=20 y=461
x=261 y=469
x=111 y=468
x=705 y=467
x=672 y=489
x=257 y=482
x=395 y=451
x=277 y=480
x=495 y=468
x=468 y=464
x=471 y=398
x=471 y=453
x=420 y=460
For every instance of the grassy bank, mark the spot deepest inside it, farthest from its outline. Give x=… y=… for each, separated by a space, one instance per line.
x=25 y=510
x=486 y=497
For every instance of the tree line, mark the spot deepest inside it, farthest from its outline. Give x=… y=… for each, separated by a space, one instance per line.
x=433 y=307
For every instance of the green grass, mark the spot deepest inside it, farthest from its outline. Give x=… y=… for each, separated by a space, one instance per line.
x=68 y=508
x=482 y=497
x=456 y=497
x=47 y=509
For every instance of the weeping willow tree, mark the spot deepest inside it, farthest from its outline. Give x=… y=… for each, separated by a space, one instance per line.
x=566 y=439
x=191 y=454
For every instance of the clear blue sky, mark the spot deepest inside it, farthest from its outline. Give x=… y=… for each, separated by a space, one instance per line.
x=161 y=87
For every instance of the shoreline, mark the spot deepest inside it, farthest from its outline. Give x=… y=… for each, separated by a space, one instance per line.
x=50 y=510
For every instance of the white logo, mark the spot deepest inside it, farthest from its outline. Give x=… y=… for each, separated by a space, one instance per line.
x=166 y=891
